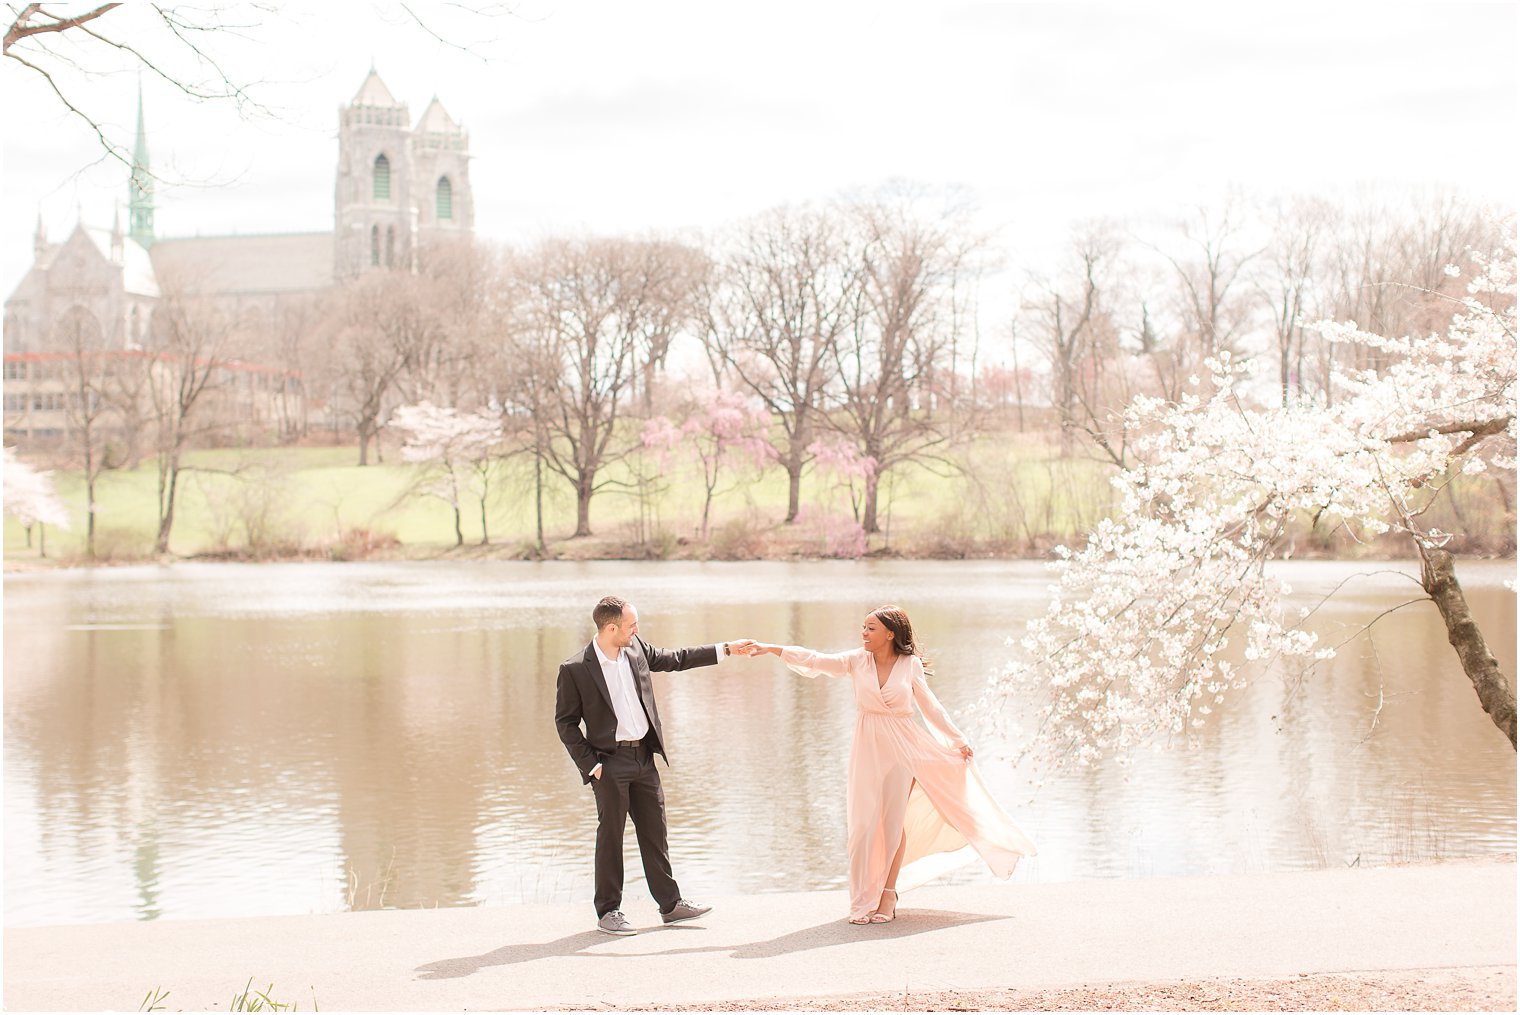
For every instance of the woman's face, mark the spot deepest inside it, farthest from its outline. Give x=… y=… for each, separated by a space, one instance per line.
x=874 y=635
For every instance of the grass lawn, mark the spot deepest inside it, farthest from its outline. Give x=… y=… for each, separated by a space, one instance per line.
x=1007 y=492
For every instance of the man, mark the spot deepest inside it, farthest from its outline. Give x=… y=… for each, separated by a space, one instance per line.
x=607 y=688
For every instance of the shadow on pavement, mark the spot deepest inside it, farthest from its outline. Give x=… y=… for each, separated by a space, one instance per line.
x=824 y=935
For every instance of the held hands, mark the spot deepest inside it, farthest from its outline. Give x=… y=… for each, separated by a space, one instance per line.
x=750 y=647
x=966 y=751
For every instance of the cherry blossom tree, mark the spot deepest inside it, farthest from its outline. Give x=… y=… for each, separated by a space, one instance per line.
x=840 y=459
x=1133 y=649
x=31 y=499
x=458 y=446
x=722 y=429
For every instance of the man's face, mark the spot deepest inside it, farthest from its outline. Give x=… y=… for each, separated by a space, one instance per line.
x=624 y=630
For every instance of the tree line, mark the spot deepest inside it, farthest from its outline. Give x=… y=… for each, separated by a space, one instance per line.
x=850 y=331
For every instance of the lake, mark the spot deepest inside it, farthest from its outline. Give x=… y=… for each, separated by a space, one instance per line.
x=216 y=740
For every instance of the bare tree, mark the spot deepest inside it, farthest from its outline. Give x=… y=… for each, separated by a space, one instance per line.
x=384 y=327
x=784 y=295
x=1211 y=298
x=588 y=306
x=191 y=336
x=1290 y=272
x=910 y=267
x=1071 y=321
x=1388 y=259
x=87 y=372
x=452 y=285
x=673 y=273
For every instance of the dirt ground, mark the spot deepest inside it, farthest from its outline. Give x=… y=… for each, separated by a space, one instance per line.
x=1475 y=988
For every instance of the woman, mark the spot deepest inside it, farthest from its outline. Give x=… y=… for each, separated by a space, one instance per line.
x=910 y=796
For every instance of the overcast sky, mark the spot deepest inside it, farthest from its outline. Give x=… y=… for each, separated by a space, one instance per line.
x=597 y=115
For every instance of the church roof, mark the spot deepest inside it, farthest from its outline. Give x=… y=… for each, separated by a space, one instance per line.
x=136 y=267
x=437 y=119
x=275 y=263
x=137 y=276
x=374 y=93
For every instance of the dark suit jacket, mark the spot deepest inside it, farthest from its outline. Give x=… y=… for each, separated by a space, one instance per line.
x=581 y=696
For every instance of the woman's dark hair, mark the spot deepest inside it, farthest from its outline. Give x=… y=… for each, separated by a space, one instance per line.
x=895 y=619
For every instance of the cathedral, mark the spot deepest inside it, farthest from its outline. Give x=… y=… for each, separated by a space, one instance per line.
x=399 y=187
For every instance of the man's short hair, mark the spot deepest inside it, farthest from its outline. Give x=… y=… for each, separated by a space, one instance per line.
x=609 y=610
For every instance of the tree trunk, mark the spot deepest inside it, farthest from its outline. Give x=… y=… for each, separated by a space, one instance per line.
x=166 y=522
x=1439 y=578
x=794 y=487
x=868 y=521
x=583 y=508
x=364 y=435
x=538 y=497
x=458 y=529
x=89 y=515
x=485 y=533
x=706 y=510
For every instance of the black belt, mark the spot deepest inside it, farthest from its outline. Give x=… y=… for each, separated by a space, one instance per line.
x=630 y=743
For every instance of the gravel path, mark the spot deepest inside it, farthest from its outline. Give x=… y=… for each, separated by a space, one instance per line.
x=1471 y=988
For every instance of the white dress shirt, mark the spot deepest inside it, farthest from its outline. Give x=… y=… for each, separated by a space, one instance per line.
x=632 y=723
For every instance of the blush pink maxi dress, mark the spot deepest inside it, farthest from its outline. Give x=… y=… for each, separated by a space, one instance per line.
x=903 y=780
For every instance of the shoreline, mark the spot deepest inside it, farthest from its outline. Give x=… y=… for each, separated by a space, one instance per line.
x=604 y=550
x=1382 y=937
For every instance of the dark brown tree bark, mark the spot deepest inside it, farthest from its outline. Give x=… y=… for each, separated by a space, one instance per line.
x=1439 y=579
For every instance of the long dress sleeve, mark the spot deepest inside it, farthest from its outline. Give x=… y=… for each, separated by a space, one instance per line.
x=935 y=716
x=806 y=662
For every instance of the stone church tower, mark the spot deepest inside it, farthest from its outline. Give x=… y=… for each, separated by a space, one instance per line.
x=398 y=188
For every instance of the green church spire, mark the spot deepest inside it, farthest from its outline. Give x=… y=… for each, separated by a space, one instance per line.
x=140 y=191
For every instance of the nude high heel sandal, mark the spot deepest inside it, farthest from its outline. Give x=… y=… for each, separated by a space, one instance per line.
x=879 y=916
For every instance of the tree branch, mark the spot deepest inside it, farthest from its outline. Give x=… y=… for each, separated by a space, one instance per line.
x=21 y=30
x=113 y=150
x=1479 y=429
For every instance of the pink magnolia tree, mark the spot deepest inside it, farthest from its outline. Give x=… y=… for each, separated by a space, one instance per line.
x=842 y=467
x=456 y=449
x=723 y=431
x=31 y=499
x=1135 y=647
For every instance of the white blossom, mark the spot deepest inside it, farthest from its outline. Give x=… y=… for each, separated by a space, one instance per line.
x=1135 y=647
x=29 y=494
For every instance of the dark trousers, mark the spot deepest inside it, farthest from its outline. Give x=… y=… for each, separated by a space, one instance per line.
x=630 y=787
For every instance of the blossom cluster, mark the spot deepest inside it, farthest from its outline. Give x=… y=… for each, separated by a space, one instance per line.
x=449 y=439
x=1169 y=607
x=717 y=426
x=29 y=494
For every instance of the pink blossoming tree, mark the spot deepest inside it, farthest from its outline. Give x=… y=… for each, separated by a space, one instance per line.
x=722 y=431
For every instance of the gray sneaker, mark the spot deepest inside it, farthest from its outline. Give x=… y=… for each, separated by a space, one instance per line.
x=616 y=923
x=685 y=909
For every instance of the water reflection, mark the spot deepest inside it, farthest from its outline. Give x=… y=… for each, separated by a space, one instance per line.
x=221 y=740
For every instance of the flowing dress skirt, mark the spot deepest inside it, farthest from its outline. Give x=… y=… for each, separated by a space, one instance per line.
x=905 y=780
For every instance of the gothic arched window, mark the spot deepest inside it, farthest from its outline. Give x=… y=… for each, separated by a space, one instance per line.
x=382 y=178
x=445 y=199
x=390 y=246
x=374 y=246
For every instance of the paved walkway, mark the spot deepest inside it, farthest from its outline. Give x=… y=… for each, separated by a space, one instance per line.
x=1011 y=935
